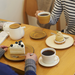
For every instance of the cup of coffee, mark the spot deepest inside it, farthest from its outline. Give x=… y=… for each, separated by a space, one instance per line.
x=48 y=55
x=44 y=17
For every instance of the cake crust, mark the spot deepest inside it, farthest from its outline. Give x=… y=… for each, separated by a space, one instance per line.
x=59 y=38
x=62 y=42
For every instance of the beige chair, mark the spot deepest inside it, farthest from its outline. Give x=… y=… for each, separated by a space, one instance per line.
x=30 y=7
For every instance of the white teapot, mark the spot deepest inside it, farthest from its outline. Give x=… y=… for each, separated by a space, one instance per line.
x=16 y=31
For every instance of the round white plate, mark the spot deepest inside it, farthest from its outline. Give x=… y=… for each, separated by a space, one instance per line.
x=50 y=42
x=49 y=65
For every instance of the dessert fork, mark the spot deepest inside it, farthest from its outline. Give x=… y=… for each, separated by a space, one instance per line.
x=17 y=56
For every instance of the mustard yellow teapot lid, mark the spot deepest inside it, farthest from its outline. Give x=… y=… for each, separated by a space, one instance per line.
x=14 y=26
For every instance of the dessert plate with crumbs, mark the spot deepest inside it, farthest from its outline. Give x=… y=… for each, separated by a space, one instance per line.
x=28 y=49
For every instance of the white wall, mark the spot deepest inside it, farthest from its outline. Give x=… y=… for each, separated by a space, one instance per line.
x=13 y=10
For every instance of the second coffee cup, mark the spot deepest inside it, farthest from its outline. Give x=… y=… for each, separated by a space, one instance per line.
x=48 y=55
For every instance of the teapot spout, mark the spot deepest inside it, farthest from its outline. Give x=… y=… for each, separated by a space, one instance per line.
x=23 y=27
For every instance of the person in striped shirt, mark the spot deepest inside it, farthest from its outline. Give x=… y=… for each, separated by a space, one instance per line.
x=68 y=7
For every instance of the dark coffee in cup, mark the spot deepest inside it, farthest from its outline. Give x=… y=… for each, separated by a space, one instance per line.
x=48 y=52
x=44 y=14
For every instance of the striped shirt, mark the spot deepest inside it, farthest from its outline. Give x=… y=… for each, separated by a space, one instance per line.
x=68 y=6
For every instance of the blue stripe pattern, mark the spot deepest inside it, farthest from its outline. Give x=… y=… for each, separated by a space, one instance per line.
x=68 y=6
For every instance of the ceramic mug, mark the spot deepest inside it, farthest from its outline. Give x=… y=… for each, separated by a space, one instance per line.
x=44 y=17
x=48 y=55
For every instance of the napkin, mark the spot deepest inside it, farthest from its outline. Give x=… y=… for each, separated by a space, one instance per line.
x=3 y=36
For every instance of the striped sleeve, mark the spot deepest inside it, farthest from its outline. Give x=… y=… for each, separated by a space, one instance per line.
x=56 y=12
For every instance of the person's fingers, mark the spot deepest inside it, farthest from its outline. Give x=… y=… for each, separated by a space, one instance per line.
x=2 y=46
x=36 y=14
x=31 y=54
x=28 y=54
x=5 y=49
x=74 y=41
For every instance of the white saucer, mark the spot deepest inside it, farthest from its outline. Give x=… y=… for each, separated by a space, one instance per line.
x=49 y=65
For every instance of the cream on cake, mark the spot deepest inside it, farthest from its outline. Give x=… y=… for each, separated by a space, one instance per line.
x=17 y=48
x=59 y=39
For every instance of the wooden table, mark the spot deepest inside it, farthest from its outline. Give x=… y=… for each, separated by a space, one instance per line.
x=66 y=65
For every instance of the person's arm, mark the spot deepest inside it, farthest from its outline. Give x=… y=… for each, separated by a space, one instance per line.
x=30 y=64
x=56 y=12
x=5 y=69
x=2 y=50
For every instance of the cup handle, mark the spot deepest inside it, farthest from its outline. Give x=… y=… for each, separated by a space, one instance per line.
x=56 y=57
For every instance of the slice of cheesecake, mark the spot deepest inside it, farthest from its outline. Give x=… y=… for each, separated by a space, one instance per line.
x=17 y=48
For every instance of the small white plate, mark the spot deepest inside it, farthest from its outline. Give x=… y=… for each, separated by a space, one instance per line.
x=68 y=42
x=49 y=65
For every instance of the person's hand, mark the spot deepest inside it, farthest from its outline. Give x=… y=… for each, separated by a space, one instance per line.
x=4 y=47
x=74 y=41
x=38 y=11
x=33 y=56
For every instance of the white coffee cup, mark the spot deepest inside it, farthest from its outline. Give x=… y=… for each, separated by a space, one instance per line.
x=48 y=59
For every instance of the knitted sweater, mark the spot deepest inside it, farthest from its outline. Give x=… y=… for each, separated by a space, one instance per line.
x=30 y=67
x=68 y=6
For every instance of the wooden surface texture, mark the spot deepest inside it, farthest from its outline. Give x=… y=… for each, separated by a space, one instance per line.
x=66 y=65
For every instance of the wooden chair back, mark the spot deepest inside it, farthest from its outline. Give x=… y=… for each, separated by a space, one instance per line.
x=30 y=8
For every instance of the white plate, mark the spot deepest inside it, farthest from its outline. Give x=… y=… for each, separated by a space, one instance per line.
x=49 y=65
x=50 y=42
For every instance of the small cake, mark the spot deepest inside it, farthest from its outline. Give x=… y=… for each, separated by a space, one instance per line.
x=17 y=48
x=59 y=39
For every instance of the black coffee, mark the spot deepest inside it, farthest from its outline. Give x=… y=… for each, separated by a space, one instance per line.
x=48 y=52
x=44 y=14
